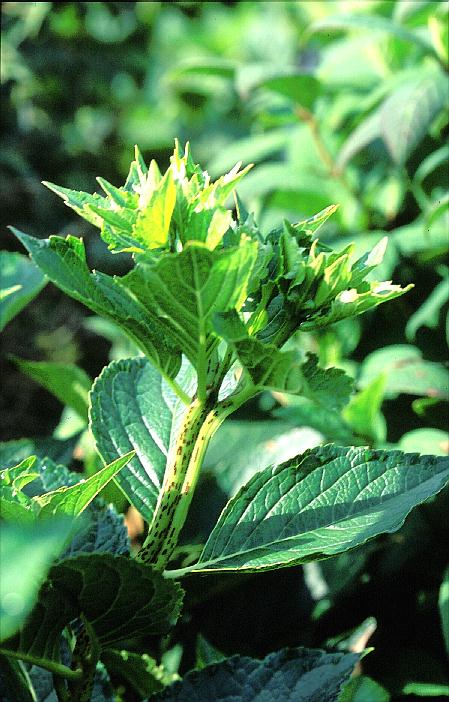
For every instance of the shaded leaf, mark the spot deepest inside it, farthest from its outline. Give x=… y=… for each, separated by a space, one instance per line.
x=132 y=408
x=69 y=383
x=296 y=675
x=132 y=601
x=21 y=281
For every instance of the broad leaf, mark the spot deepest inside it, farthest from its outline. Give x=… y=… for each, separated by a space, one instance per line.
x=13 y=452
x=296 y=675
x=406 y=372
x=69 y=383
x=64 y=262
x=27 y=552
x=132 y=601
x=73 y=500
x=324 y=502
x=21 y=281
x=188 y=288
x=133 y=408
x=406 y=114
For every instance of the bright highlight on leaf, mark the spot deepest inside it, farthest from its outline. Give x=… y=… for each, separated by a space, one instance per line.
x=324 y=502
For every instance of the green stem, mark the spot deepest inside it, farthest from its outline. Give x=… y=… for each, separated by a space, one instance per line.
x=183 y=468
x=52 y=666
x=86 y=654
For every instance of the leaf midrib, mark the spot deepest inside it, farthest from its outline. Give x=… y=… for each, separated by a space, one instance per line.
x=324 y=526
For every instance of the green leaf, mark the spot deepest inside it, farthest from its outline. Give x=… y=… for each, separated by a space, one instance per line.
x=69 y=383
x=21 y=281
x=443 y=604
x=132 y=601
x=425 y=440
x=371 y=23
x=12 y=452
x=364 y=415
x=188 y=288
x=295 y=675
x=153 y=222
x=15 y=684
x=64 y=262
x=301 y=88
x=363 y=689
x=426 y=689
x=352 y=302
x=141 y=672
x=406 y=114
x=267 y=366
x=330 y=387
x=27 y=552
x=406 y=371
x=285 y=371
x=324 y=502
x=21 y=474
x=428 y=315
x=71 y=501
x=132 y=408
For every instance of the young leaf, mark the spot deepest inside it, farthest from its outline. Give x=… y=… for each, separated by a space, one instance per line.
x=26 y=554
x=319 y=504
x=132 y=408
x=140 y=671
x=352 y=302
x=64 y=262
x=69 y=383
x=21 y=281
x=188 y=288
x=295 y=675
x=132 y=601
x=71 y=501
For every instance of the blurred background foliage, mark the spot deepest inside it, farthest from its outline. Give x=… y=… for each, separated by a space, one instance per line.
x=334 y=102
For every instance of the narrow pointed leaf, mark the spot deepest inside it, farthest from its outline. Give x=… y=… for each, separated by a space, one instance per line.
x=295 y=675
x=72 y=500
x=132 y=601
x=132 y=408
x=188 y=288
x=153 y=222
x=324 y=502
x=69 y=383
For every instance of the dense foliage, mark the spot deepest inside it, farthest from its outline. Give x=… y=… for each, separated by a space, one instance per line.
x=230 y=316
